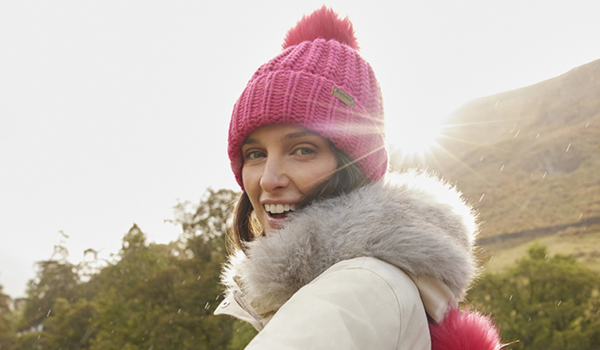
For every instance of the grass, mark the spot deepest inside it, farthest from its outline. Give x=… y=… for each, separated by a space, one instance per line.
x=581 y=242
x=522 y=196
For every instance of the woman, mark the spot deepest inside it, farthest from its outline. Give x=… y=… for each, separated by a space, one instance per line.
x=330 y=255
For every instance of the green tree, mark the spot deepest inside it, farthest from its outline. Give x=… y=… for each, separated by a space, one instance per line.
x=163 y=296
x=133 y=303
x=69 y=328
x=7 y=335
x=150 y=296
x=55 y=279
x=543 y=302
x=204 y=227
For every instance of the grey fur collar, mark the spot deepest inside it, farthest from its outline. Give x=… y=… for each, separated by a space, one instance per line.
x=410 y=220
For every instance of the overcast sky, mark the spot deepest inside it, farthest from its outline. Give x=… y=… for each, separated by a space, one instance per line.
x=113 y=111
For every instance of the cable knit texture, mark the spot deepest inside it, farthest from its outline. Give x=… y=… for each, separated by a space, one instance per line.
x=297 y=87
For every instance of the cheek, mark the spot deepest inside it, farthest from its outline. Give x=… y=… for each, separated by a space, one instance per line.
x=251 y=180
x=317 y=174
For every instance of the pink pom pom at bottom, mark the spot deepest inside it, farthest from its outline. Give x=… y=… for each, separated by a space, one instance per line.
x=465 y=330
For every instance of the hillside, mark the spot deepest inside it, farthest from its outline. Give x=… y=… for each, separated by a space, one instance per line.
x=528 y=158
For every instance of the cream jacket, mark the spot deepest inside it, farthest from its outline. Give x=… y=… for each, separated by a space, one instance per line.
x=360 y=271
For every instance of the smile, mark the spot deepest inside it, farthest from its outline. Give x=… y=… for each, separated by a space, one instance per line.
x=279 y=210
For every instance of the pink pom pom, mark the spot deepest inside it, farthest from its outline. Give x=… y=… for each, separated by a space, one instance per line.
x=464 y=331
x=323 y=23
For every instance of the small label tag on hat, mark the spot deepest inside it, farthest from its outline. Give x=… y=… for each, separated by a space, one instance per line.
x=343 y=96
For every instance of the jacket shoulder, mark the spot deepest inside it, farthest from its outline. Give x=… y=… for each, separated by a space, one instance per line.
x=360 y=303
x=397 y=280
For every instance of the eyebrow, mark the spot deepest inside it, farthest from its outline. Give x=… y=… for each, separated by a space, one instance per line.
x=297 y=134
x=289 y=136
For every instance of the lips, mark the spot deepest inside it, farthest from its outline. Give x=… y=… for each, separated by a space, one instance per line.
x=277 y=214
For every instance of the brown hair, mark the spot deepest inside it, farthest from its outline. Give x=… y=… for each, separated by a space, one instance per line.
x=346 y=179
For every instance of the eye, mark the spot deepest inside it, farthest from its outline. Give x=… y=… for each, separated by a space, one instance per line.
x=255 y=155
x=304 y=151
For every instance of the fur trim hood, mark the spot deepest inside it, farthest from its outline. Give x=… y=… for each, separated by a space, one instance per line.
x=410 y=220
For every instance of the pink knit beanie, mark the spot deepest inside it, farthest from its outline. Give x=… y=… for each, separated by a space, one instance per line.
x=320 y=82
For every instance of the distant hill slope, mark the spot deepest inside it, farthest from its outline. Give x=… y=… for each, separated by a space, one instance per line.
x=527 y=158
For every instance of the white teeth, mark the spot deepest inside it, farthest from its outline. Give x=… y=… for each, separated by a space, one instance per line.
x=279 y=208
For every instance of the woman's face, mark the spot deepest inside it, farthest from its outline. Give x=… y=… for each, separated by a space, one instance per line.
x=282 y=163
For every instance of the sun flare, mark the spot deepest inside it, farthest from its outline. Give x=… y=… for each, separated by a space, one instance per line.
x=413 y=138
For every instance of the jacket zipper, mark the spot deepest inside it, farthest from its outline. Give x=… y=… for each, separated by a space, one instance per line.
x=241 y=301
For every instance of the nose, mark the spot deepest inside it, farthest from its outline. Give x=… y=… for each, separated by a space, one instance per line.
x=274 y=176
